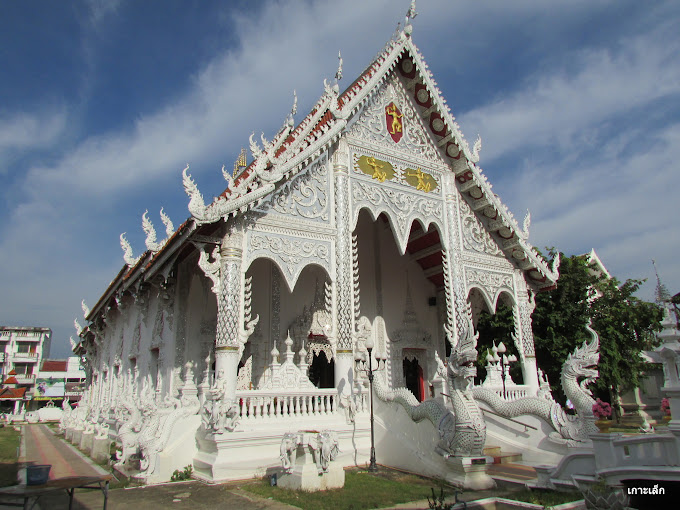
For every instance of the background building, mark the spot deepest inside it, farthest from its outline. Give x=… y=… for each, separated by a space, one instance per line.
x=21 y=351
x=57 y=380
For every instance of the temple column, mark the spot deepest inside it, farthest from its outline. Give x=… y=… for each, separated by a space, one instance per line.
x=344 y=298
x=228 y=312
x=524 y=336
x=454 y=288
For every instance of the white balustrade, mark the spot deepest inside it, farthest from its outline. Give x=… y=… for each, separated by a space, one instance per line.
x=512 y=392
x=645 y=450
x=257 y=405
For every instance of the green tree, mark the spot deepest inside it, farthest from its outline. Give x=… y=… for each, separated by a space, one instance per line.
x=625 y=325
x=495 y=328
x=560 y=318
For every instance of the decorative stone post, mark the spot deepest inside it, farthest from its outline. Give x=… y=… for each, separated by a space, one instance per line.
x=220 y=414
x=671 y=388
x=228 y=312
x=524 y=337
x=344 y=271
x=456 y=297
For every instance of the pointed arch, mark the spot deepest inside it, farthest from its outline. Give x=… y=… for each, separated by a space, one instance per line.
x=401 y=226
x=291 y=254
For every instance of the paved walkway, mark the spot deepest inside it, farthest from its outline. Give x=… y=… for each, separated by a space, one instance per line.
x=41 y=446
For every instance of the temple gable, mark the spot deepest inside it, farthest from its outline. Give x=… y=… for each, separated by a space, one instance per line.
x=390 y=122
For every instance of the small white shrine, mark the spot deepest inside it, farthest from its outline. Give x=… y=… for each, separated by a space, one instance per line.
x=367 y=218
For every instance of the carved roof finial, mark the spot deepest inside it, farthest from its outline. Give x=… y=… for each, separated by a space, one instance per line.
x=169 y=227
x=661 y=293
x=410 y=15
x=526 y=224
x=86 y=309
x=477 y=148
x=150 y=231
x=127 y=251
x=293 y=110
x=254 y=148
x=338 y=73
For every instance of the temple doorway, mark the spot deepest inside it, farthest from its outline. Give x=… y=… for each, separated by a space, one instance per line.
x=322 y=371
x=413 y=377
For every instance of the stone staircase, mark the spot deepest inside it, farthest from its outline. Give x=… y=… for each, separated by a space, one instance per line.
x=507 y=468
x=500 y=457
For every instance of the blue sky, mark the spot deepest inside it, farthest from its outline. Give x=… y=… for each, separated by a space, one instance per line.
x=102 y=104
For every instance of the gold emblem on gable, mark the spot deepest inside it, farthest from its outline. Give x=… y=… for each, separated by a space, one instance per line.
x=422 y=181
x=380 y=170
x=395 y=126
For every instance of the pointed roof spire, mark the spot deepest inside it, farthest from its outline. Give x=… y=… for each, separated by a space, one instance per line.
x=662 y=294
x=338 y=73
x=410 y=15
x=241 y=163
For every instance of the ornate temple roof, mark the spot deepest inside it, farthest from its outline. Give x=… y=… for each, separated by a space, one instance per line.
x=293 y=147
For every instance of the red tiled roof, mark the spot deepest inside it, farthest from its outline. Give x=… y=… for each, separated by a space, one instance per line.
x=12 y=393
x=51 y=365
x=11 y=380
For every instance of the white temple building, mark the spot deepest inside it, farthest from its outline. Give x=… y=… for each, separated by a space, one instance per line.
x=368 y=218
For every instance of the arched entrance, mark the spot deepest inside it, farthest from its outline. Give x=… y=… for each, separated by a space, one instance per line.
x=321 y=371
x=413 y=378
x=399 y=297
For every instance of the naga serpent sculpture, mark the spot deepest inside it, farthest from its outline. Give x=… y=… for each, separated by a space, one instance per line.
x=462 y=431
x=577 y=374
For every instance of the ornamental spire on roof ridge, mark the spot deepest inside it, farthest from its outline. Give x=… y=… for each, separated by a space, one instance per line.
x=85 y=308
x=241 y=162
x=661 y=294
x=79 y=328
x=129 y=258
x=338 y=73
x=169 y=227
x=410 y=15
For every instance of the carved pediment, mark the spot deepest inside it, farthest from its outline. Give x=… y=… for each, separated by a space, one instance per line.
x=388 y=113
x=305 y=196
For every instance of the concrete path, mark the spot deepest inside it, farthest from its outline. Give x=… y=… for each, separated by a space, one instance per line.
x=41 y=446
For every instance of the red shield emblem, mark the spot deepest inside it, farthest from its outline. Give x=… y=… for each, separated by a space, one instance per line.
x=395 y=125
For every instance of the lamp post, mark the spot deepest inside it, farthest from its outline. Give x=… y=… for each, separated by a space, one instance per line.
x=505 y=365
x=361 y=365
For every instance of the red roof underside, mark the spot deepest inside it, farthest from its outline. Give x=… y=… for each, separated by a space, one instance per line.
x=54 y=365
x=12 y=393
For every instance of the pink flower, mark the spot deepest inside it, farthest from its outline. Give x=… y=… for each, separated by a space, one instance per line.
x=601 y=409
x=666 y=406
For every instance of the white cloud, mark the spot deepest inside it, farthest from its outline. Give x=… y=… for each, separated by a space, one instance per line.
x=586 y=148
x=100 y=9
x=22 y=132
x=565 y=107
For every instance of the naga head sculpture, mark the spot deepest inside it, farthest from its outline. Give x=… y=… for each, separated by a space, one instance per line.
x=461 y=367
x=582 y=363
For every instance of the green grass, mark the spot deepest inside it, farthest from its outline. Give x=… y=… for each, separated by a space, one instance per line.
x=544 y=497
x=390 y=487
x=9 y=442
x=362 y=490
